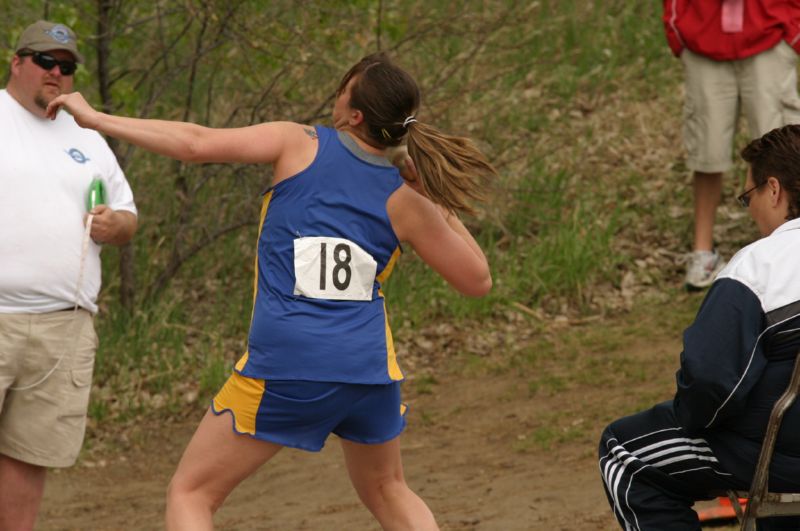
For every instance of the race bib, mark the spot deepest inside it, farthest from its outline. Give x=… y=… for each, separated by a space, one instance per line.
x=333 y=268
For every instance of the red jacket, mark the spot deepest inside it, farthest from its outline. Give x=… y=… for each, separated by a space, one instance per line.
x=697 y=25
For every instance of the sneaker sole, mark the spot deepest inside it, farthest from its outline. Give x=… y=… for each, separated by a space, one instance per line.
x=711 y=278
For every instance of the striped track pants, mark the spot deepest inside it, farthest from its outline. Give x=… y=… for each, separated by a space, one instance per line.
x=653 y=472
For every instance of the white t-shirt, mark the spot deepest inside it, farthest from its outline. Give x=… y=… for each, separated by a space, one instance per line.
x=46 y=167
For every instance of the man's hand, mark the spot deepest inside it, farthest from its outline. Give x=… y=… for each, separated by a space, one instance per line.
x=112 y=226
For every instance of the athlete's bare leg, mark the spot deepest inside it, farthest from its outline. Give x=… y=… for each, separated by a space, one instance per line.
x=376 y=471
x=216 y=460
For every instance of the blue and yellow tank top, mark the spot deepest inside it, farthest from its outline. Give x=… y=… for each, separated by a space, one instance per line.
x=325 y=246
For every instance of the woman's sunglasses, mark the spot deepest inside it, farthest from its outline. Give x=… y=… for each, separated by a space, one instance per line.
x=744 y=197
x=47 y=62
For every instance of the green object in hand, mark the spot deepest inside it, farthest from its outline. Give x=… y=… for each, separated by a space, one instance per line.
x=97 y=195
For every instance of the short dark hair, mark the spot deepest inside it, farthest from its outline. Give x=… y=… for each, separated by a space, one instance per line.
x=777 y=154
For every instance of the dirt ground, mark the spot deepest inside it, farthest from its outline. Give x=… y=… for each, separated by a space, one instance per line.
x=467 y=452
x=463 y=467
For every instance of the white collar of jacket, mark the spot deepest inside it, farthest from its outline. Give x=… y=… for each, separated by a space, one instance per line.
x=789 y=225
x=769 y=266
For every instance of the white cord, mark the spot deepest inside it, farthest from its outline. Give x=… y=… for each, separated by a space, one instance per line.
x=84 y=251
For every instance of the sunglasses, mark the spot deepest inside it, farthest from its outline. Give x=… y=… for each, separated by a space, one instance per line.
x=744 y=197
x=47 y=62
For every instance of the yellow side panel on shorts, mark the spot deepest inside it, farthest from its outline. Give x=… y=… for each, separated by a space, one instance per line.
x=242 y=396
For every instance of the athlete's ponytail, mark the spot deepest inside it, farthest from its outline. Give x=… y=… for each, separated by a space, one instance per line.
x=452 y=171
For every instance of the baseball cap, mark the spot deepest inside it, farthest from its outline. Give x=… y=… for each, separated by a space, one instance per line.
x=43 y=36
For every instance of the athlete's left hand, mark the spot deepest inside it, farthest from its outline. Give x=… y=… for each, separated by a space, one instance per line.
x=84 y=114
x=408 y=171
x=405 y=165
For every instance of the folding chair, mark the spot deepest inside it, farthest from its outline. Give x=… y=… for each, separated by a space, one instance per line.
x=760 y=502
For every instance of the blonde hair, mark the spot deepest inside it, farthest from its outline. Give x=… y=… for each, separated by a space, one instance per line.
x=453 y=172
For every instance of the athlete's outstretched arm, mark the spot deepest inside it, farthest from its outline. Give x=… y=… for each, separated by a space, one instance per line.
x=263 y=143
x=441 y=240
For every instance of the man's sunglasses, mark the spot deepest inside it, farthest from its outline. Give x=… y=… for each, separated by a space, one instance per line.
x=47 y=62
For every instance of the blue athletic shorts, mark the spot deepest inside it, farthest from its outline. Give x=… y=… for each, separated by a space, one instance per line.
x=301 y=414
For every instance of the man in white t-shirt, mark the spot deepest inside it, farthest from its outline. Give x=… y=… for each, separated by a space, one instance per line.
x=47 y=266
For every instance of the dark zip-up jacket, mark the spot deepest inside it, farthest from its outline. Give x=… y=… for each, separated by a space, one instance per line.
x=739 y=354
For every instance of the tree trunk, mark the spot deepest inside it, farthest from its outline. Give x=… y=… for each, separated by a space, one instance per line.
x=127 y=273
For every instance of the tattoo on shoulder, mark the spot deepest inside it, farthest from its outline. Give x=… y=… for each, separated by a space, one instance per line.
x=311 y=132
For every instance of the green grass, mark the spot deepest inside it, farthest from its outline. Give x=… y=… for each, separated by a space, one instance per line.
x=545 y=438
x=214 y=373
x=556 y=244
x=425 y=385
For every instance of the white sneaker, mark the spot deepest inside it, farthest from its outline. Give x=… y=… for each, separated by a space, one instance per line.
x=702 y=268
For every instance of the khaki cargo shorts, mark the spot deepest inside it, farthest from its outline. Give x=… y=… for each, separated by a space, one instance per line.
x=44 y=423
x=763 y=86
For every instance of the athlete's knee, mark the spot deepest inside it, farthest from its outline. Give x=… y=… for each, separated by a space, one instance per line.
x=174 y=492
x=181 y=492
x=383 y=490
x=392 y=486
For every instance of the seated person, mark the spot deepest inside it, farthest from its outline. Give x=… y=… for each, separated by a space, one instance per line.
x=737 y=359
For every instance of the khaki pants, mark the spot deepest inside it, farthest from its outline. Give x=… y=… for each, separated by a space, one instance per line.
x=44 y=424
x=764 y=86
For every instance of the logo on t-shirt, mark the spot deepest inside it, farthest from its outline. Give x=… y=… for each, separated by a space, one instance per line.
x=77 y=155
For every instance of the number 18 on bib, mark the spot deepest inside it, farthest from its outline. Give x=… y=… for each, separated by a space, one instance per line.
x=333 y=268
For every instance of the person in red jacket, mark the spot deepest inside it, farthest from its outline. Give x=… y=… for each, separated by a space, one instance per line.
x=738 y=55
